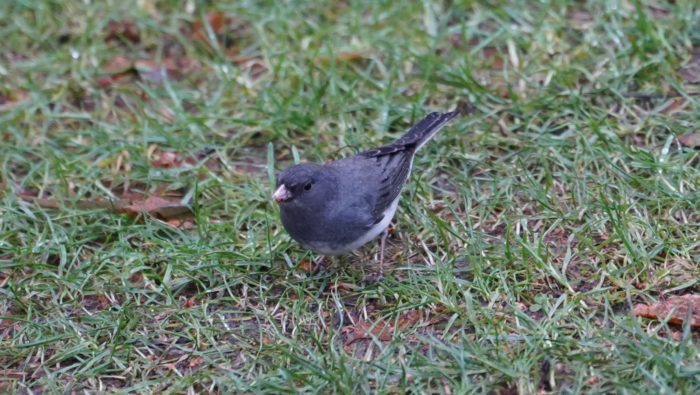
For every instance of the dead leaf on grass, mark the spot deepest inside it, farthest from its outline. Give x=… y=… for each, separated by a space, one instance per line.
x=178 y=223
x=189 y=302
x=125 y=31
x=690 y=139
x=164 y=159
x=117 y=65
x=169 y=209
x=306 y=266
x=216 y=21
x=342 y=287
x=121 y=69
x=678 y=307
x=95 y=303
x=118 y=69
x=674 y=105
x=494 y=54
x=347 y=56
x=162 y=207
x=137 y=278
x=11 y=100
x=169 y=68
x=254 y=66
x=170 y=159
x=196 y=362
x=381 y=329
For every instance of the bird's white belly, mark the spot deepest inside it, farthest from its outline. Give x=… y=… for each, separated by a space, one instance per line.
x=373 y=232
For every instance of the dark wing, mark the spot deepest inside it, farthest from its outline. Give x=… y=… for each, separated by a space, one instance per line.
x=426 y=128
x=393 y=163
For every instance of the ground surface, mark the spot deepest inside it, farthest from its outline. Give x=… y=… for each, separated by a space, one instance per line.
x=139 y=249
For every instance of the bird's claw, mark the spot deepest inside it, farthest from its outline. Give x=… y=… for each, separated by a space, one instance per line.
x=319 y=265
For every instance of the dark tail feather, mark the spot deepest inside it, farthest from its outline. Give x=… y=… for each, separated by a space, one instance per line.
x=426 y=128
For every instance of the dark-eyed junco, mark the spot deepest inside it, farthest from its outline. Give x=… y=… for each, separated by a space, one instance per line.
x=338 y=207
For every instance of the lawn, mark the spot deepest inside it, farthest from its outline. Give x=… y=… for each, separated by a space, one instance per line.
x=548 y=240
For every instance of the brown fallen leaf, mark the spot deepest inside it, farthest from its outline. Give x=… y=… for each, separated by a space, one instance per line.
x=117 y=65
x=189 y=302
x=164 y=208
x=150 y=70
x=136 y=278
x=13 y=375
x=690 y=139
x=488 y=52
x=678 y=308
x=351 y=56
x=125 y=30
x=12 y=99
x=169 y=159
x=495 y=55
x=161 y=207
x=163 y=159
x=181 y=223
x=95 y=303
x=346 y=56
x=215 y=19
x=255 y=67
x=674 y=105
x=196 y=362
x=169 y=68
x=342 y=287
x=306 y=266
x=105 y=81
x=383 y=330
x=120 y=69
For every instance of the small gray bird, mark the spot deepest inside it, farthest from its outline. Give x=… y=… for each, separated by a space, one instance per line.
x=338 y=207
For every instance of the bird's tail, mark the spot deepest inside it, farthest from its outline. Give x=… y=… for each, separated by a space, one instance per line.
x=426 y=128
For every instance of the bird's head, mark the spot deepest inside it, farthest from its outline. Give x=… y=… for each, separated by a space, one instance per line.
x=306 y=184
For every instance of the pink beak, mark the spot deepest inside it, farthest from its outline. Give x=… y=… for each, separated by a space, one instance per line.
x=282 y=194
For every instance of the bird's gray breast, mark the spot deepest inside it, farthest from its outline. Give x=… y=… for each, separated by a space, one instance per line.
x=331 y=230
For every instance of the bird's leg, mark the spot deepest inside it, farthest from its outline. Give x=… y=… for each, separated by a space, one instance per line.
x=319 y=263
x=382 y=244
x=375 y=278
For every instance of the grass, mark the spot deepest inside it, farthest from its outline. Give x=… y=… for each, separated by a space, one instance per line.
x=529 y=230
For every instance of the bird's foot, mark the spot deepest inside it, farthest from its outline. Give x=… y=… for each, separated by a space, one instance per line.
x=320 y=264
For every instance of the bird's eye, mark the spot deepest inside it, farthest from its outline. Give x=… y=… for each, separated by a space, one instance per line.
x=307 y=186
